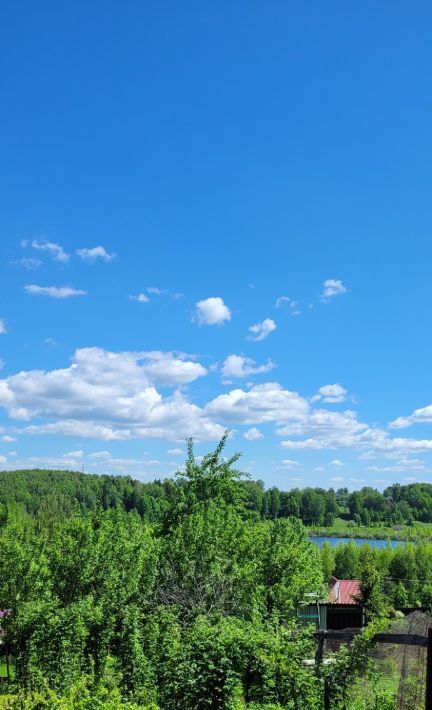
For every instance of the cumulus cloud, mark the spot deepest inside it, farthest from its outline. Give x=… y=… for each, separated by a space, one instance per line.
x=54 y=250
x=331 y=394
x=262 y=330
x=238 y=366
x=3 y=328
x=94 y=253
x=419 y=416
x=54 y=291
x=175 y=452
x=262 y=403
x=7 y=439
x=140 y=297
x=324 y=429
x=332 y=288
x=156 y=291
x=212 y=311
x=253 y=434
x=111 y=396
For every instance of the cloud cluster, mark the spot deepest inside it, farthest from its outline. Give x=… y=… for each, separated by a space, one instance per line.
x=124 y=395
x=110 y=396
x=323 y=429
x=57 y=253
x=331 y=394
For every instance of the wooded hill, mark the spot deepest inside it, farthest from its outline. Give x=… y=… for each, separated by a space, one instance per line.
x=54 y=493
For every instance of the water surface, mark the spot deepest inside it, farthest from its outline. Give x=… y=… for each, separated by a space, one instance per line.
x=318 y=539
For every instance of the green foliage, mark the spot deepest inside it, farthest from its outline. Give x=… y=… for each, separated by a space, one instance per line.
x=185 y=593
x=349 y=664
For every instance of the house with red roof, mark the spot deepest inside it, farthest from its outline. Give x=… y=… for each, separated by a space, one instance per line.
x=341 y=609
x=344 y=607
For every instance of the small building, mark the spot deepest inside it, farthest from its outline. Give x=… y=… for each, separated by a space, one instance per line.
x=342 y=609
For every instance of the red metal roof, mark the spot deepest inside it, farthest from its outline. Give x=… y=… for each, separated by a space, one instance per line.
x=344 y=591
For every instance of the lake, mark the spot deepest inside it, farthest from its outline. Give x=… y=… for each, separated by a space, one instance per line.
x=358 y=541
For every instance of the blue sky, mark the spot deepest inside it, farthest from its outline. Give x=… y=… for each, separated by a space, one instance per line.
x=243 y=152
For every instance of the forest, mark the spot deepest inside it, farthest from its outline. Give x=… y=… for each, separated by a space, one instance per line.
x=185 y=593
x=43 y=493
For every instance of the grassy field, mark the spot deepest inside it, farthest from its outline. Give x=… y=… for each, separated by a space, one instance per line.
x=347 y=528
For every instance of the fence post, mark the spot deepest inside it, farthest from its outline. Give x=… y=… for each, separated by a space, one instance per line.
x=428 y=704
x=319 y=649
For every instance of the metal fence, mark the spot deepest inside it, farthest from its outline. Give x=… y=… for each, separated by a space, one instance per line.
x=404 y=654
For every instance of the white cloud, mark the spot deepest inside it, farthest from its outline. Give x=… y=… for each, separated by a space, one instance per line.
x=140 y=297
x=336 y=462
x=175 y=452
x=262 y=403
x=54 y=291
x=75 y=454
x=3 y=328
x=419 y=416
x=156 y=291
x=253 y=434
x=293 y=305
x=2 y=364
x=239 y=366
x=3 y=460
x=324 y=429
x=110 y=396
x=337 y=478
x=7 y=439
x=290 y=463
x=331 y=394
x=104 y=461
x=55 y=250
x=332 y=287
x=212 y=311
x=262 y=330
x=28 y=263
x=400 y=466
x=94 y=253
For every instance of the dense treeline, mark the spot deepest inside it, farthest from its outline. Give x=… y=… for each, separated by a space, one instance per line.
x=191 y=605
x=55 y=493
x=403 y=574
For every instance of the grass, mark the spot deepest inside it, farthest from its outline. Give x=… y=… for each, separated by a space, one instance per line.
x=347 y=528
